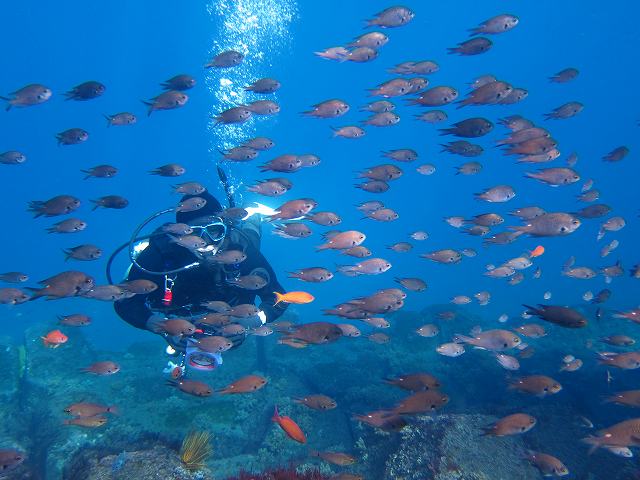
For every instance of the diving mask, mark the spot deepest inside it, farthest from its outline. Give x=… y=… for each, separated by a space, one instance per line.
x=212 y=229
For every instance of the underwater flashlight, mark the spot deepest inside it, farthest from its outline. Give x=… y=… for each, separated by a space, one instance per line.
x=261 y=209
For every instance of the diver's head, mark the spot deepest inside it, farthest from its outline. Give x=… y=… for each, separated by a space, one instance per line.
x=205 y=223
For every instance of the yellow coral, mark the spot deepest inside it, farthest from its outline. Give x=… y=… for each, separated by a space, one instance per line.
x=195 y=450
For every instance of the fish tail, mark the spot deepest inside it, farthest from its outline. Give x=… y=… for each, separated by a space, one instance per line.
x=9 y=104
x=108 y=118
x=275 y=416
x=113 y=410
x=532 y=310
x=279 y=298
x=593 y=441
x=486 y=431
x=37 y=293
x=150 y=109
x=459 y=338
x=370 y=23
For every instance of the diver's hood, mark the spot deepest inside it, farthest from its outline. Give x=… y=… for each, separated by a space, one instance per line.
x=212 y=207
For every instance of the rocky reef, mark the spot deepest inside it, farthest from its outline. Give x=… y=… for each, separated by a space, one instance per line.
x=150 y=464
x=144 y=439
x=455 y=451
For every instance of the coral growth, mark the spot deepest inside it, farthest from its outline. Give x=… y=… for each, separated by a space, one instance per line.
x=195 y=450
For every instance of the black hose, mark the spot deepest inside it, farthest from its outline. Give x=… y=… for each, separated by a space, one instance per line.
x=110 y=261
x=134 y=238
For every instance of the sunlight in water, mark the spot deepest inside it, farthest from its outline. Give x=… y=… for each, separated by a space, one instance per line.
x=259 y=29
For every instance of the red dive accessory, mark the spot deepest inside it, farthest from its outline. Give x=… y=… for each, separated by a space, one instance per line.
x=167 y=298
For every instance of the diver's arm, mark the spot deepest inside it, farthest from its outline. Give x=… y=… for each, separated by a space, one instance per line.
x=134 y=311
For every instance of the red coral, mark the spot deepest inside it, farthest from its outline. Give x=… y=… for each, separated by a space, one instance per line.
x=281 y=473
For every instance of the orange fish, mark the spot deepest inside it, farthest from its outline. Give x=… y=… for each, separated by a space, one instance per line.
x=54 y=339
x=290 y=427
x=536 y=252
x=293 y=297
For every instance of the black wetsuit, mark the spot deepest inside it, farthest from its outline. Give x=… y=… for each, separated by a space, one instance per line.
x=203 y=283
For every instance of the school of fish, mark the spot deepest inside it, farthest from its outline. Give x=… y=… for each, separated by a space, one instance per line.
x=523 y=141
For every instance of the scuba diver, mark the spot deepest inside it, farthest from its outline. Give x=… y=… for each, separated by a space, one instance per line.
x=190 y=279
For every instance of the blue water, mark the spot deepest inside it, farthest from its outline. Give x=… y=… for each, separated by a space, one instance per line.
x=132 y=47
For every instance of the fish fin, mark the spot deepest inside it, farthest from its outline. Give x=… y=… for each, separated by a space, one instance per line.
x=108 y=118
